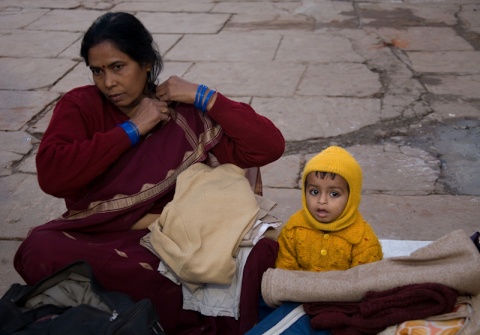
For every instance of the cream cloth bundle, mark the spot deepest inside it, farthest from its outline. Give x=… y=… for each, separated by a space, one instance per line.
x=199 y=231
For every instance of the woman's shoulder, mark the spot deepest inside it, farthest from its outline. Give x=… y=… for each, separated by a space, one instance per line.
x=84 y=93
x=86 y=100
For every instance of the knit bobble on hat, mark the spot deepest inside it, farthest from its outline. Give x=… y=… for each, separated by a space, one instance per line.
x=339 y=161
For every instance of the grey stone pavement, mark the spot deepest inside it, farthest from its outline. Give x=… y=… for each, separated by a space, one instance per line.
x=396 y=82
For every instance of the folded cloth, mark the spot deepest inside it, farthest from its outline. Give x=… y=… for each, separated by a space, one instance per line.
x=452 y=260
x=379 y=310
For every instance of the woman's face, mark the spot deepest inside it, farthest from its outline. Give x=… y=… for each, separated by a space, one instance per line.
x=121 y=79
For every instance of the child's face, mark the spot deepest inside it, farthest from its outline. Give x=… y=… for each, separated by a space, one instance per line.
x=326 y=198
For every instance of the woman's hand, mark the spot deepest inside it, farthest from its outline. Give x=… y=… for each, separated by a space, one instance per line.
x=148 y=113
x=177 y=89
x=180 y=90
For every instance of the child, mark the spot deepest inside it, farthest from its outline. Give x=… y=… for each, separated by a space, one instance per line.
x=328 y=233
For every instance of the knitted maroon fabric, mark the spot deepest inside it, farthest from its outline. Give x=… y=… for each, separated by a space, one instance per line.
x=379 y=310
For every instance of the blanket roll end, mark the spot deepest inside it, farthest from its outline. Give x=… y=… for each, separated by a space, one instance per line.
x=268 y=289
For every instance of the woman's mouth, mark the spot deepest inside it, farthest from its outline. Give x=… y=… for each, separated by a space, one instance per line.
x=115 y=98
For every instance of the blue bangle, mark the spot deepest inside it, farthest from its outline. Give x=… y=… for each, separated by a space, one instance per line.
x=199 y=96
x=202 y=93
x=207 y=99
x=132 y=131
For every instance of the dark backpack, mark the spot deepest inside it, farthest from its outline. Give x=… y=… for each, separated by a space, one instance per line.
x=72 y=302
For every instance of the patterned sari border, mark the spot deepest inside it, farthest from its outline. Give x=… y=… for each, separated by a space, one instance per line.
x=120 y=202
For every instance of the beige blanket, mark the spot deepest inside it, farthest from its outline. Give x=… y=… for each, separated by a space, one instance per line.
x=452 y=260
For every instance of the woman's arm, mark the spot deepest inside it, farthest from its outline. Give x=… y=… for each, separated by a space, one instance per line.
x=249 y=138
x=77 y=147
x=83 y=139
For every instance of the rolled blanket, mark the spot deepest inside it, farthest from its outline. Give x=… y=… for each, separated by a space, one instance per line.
x=379 y=310
x=453 y=260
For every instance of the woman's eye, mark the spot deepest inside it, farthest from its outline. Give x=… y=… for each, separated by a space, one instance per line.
x=118 y=67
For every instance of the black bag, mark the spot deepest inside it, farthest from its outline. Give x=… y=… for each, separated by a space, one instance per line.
x=72 y=302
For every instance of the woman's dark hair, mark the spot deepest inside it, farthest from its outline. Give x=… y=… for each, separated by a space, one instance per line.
x=130 y=36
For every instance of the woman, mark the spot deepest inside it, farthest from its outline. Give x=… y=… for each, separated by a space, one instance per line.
x=113 y=151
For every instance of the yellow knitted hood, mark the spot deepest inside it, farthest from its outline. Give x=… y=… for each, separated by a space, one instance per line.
x=339 y=161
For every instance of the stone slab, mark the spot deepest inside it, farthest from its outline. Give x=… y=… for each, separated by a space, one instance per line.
x=457 y=108
x=19 y=107
x=28 y=165
x=247 y=79
x=16 y=73
x=315 y=117
x=15 y=18
x=327 y=12
x=17 y=141
x=420 y=217
x=65 y=4
x=284 y=172
x=470 y=15
x=165 y=6
x=255 y=7
x=65 y=20
x=425 y=39
x=183 y=23
x=41 y=125
x=73 y=51
x=25 y=206
x=270 y=23
x=225 y=47
x=339 y=79
x=462 y=86
x=459 y=62
x=288 y=201
x=409 y=12
x=7 y=159
x=80 y=75
x=36 y=43
x=316 y=48
x=396 y=170
x=165 y=42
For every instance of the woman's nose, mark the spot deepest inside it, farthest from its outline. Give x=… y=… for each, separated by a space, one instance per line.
x=109 y=80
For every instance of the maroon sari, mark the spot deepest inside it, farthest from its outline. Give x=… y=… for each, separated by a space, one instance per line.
x=97 y=229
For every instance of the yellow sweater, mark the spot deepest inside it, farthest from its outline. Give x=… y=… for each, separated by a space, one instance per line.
x=303 y=247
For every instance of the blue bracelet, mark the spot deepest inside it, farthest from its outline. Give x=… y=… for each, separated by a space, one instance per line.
x=207 y=99
x=199 y=96
x=132 y=131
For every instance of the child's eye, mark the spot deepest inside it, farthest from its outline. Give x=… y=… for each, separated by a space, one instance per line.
x=335 y=194
x=313 y=192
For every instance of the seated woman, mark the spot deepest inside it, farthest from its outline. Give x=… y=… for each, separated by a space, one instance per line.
x=113 y=151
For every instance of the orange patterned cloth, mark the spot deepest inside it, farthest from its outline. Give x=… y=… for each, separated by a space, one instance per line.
x=431 y=327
